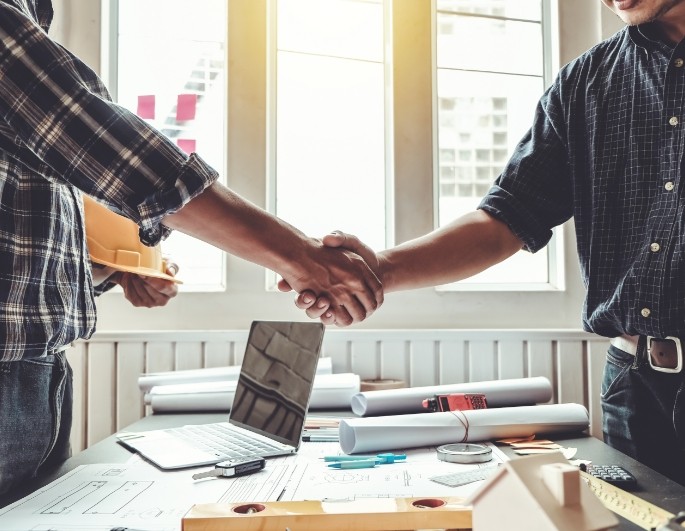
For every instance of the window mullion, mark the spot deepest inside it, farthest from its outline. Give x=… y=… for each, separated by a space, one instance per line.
x=412 y=123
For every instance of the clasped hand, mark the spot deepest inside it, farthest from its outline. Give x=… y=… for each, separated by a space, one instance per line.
x=142 y=291
x=322 y=305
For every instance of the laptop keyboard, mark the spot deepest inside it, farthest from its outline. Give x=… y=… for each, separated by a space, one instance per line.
x=224 y=441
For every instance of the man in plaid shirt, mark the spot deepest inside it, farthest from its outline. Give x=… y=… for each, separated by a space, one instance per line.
x=60 y=136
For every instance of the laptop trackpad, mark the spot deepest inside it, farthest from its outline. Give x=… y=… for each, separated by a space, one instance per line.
x=167 y=451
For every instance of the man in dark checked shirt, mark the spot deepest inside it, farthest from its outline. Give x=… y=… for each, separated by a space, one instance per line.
x=606 y=148
x=60 y=136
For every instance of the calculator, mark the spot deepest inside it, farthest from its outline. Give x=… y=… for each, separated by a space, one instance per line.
x=614 y=474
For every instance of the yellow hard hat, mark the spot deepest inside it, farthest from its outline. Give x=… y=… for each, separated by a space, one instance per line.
x=113 y=241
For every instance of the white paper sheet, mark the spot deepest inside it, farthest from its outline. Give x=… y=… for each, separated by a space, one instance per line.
x=211 y=374
x=330 y=391
x=498 y=393
x=363 y=435
x=137 y=496
x=403 y=479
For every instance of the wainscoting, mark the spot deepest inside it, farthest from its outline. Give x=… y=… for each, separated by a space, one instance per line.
x=106 y=368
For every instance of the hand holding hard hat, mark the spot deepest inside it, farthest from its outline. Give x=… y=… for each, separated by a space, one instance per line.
x=113 y=242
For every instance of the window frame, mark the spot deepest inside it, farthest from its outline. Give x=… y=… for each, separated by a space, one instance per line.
x=244 y=297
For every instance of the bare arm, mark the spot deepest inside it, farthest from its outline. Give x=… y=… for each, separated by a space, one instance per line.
x=226 y=220
x=466 y=246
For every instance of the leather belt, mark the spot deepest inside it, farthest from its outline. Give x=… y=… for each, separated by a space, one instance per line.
x=664 y=354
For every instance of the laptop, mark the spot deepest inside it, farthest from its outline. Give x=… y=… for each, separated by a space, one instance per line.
x=268 y=410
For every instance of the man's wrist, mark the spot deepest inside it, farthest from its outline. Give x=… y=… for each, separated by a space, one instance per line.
x=102 y=274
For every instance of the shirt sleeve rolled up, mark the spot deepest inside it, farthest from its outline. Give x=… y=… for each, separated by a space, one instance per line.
x=87 y=141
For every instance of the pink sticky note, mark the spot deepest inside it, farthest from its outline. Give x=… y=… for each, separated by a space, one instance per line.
x=186 y=144
x=146 y=107
x=185 y=107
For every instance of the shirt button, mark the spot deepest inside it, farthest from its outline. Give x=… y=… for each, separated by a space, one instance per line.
x=673 y=120
x=678 y=62
x=655 y=247
x=669 y=186
x=645 y=312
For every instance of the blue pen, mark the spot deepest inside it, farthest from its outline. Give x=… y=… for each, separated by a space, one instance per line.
x=359 y=463
x=380 y=458
x=337 y=458
x=391 y=458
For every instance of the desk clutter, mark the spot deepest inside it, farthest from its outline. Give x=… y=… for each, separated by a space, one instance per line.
x=359 y=435
x=391 y=413
x=213 y=389
x=410 y=458
x=536 y=492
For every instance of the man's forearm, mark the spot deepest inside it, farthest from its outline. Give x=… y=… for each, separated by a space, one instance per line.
x=466 y=246
x=222 y=218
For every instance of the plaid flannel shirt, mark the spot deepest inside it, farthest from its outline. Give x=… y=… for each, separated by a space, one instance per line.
x=61 y=135
x=606 y=148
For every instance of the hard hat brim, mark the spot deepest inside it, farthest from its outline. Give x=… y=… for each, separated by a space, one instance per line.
x=143 y=271
x=113 y=241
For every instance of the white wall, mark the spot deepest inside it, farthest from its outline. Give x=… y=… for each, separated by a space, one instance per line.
x=582 y=24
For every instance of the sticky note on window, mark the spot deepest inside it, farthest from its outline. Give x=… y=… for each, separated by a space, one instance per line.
x=185 y=107
x=146 y=107
x=186 y=144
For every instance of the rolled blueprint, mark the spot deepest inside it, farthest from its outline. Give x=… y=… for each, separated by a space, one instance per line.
x=361 y=435
x=330 y=391
x=210 y=374
x=498 y=393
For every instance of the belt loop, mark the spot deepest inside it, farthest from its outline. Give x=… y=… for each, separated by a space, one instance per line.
x=641 y=352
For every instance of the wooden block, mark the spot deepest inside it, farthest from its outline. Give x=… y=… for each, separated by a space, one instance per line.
x=563 y=480
x=367 y=514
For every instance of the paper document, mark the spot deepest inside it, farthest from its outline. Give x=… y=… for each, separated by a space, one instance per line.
x=210 y=374
x=406 y=479
x=137 y=496
x=498 y=393
x=331 y=391
x=373 y=434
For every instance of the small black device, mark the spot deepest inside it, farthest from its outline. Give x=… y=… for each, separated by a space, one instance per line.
x=239 y=466
x=612 y=474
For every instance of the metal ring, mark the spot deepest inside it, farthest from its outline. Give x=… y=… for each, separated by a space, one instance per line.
x=464 y=453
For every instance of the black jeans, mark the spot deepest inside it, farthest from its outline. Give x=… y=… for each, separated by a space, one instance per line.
x=644 y=412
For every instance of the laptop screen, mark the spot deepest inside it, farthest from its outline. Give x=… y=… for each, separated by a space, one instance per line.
x=276 y=379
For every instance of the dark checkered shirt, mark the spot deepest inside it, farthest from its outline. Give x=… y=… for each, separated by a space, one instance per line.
x=606 y=148
x=60 y=135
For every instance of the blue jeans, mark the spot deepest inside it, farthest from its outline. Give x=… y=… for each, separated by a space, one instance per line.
x=644 y=412
x=35 y=417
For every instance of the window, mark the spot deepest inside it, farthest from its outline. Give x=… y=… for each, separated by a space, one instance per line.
x=331 y=93
x=490 y=74
x=170 y=70
x=329 y=117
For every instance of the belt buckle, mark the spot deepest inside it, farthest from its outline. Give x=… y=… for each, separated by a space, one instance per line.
x=679 y=351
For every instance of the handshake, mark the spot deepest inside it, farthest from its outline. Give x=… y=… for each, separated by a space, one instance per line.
x=342 y=281
x=353 y=272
